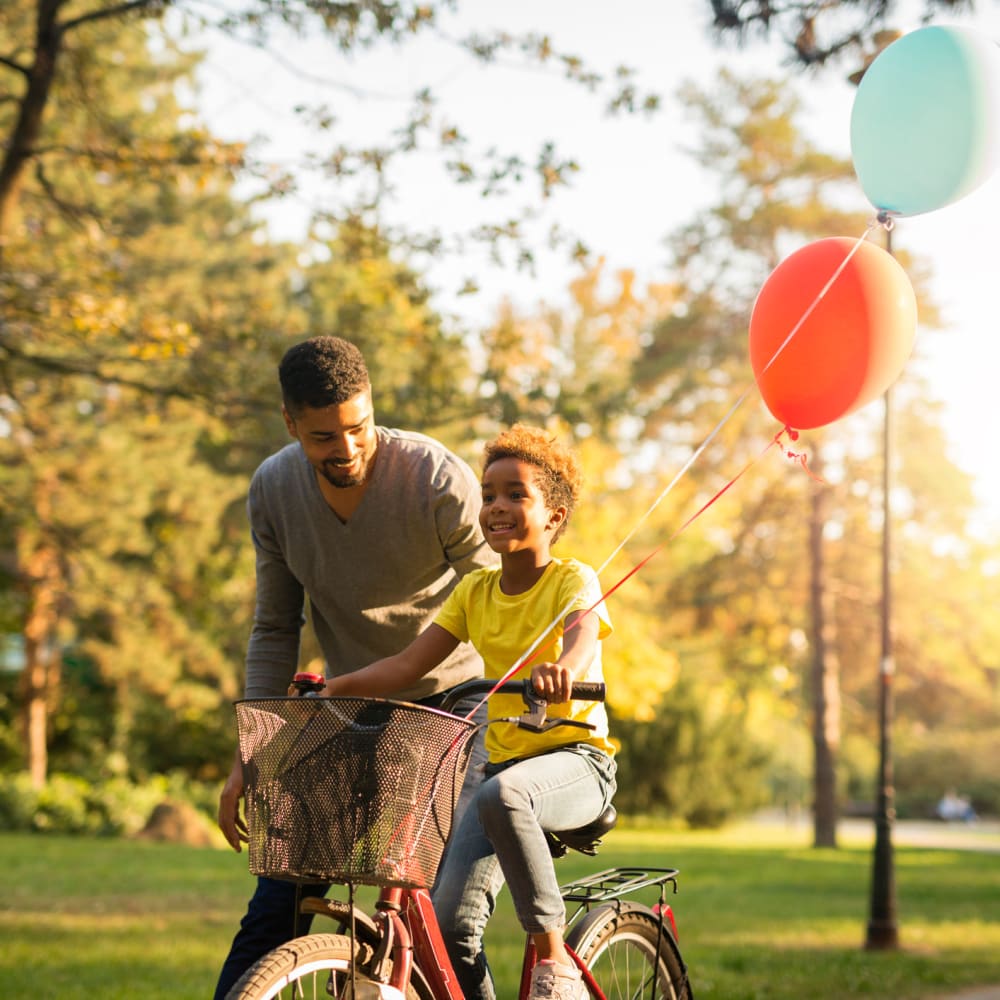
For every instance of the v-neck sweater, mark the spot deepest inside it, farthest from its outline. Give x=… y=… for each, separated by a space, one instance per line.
x=374 y=582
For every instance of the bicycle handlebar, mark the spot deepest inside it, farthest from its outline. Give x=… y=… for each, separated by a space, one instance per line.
x=309 y=684
x=582 y=691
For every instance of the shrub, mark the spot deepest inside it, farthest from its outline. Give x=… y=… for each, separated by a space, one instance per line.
x=18 y=802
x=113 y=807
x=689 y=764
x=928 y=764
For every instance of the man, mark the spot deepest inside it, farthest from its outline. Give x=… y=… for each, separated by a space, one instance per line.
x=376 y=526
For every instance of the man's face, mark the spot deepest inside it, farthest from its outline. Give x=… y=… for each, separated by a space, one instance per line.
x=338 y=440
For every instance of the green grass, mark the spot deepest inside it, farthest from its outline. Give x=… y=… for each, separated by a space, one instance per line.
x=761 y=915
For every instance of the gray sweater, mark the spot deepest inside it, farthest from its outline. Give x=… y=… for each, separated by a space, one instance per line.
x=374 y=583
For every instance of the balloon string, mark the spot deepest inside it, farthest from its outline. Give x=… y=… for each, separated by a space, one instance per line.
x=537 y=648
x=798 y=456
x=529 y=654
x=820 y=296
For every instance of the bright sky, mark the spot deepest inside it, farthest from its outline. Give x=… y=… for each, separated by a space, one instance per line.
x=636 y=182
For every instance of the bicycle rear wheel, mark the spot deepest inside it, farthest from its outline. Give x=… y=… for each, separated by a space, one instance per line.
x=618 y=944
x=312 y=967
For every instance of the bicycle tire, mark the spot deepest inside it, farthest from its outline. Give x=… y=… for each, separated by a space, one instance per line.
x=618 y=944
x=302 y=968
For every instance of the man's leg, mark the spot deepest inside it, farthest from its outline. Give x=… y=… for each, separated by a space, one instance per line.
x=477 y=762
x=269 y=922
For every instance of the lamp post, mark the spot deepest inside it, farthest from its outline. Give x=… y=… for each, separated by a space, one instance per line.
x=882 y=932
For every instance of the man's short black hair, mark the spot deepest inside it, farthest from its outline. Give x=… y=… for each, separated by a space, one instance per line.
x=321 y=372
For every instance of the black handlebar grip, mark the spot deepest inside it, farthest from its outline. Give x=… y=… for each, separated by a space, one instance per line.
x=589 y=690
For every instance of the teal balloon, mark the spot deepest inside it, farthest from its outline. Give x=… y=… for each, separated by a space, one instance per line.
x=925 y=125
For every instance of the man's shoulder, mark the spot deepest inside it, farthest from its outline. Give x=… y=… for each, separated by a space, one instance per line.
x=281 y=465
x=421 y=449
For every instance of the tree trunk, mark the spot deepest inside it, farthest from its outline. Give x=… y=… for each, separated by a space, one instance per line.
x=43 y=579
x=825 y=680
x=31 y=109
x=39 y=646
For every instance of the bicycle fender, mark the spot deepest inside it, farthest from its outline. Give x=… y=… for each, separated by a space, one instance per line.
x=365 y=929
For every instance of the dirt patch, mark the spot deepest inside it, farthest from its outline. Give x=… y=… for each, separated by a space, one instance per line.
x=177 y=823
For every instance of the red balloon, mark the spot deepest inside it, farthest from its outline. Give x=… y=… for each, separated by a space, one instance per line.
x=852 y=345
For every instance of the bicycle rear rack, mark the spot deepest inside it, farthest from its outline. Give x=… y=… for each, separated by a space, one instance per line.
x=615 y=883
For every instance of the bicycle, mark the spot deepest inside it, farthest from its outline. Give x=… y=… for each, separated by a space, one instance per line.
x=360 y=791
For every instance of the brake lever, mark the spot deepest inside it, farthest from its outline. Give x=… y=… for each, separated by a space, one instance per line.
x=534 y=719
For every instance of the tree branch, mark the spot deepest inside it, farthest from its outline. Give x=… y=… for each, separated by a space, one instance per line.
x=110 y=12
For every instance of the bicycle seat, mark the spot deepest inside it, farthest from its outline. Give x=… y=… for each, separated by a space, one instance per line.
x=585 y=839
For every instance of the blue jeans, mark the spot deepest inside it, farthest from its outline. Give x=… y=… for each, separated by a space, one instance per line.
x=502 y=837
x=270 y=919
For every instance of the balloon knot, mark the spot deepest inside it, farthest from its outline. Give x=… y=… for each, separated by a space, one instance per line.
x=803 y=459
x=885 y=219
x=796 y=456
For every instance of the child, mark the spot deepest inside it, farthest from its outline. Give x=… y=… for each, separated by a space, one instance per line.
x=557 y=780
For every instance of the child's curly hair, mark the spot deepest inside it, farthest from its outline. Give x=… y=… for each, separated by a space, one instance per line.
x=559 y=479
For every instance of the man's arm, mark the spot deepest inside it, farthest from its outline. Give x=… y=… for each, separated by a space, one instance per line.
x=272 y=652
x=279 y=612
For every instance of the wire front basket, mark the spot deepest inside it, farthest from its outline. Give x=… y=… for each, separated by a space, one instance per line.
x=350 y=790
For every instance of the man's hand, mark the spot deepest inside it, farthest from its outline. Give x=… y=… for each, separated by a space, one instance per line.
x=231 y=823
x=553 y=682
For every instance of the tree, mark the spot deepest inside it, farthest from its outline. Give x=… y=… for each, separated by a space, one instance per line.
x=754 y=592
x=144 y=316
x=45 y=44
x=817 y=34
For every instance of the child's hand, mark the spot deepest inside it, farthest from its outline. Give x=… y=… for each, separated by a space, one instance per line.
x=553 y=682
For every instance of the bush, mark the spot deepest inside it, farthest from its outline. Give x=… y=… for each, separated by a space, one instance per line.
x=688 y=764
x=928 y=764
x=62 y=807
x=115 y=807
x=18 y=802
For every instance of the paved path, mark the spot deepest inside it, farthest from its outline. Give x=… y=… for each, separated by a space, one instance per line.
x=974 y=993
x=981 y=835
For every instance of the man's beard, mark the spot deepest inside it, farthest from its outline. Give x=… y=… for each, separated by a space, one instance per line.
x=343 y=479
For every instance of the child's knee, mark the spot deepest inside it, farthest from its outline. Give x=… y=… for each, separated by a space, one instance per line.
x=496 y=800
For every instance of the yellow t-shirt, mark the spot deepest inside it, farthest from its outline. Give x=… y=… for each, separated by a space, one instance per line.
x=503 y=628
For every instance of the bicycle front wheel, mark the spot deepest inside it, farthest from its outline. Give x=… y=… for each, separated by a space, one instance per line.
x=312 y=967
x=618 y=944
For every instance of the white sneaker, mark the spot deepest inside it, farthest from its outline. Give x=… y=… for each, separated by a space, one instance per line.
x=550 y=981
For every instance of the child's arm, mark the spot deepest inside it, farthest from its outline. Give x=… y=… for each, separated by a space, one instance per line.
x=400 y=670
x=554 y=681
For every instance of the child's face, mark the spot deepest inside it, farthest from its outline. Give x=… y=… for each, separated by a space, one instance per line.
x=514 y=517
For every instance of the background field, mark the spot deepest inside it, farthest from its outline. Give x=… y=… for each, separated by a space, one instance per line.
x=761 y=915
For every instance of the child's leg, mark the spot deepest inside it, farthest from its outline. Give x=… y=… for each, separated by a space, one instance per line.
x=464 y=898
x=559 y=790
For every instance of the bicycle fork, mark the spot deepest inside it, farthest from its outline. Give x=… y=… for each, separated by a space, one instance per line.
x=410 y=939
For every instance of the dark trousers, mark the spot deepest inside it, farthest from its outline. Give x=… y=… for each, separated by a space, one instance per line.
x=269 y=923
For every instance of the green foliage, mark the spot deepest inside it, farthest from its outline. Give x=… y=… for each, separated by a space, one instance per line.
x=115 y=807
x=697 y=760
x=927 y=766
